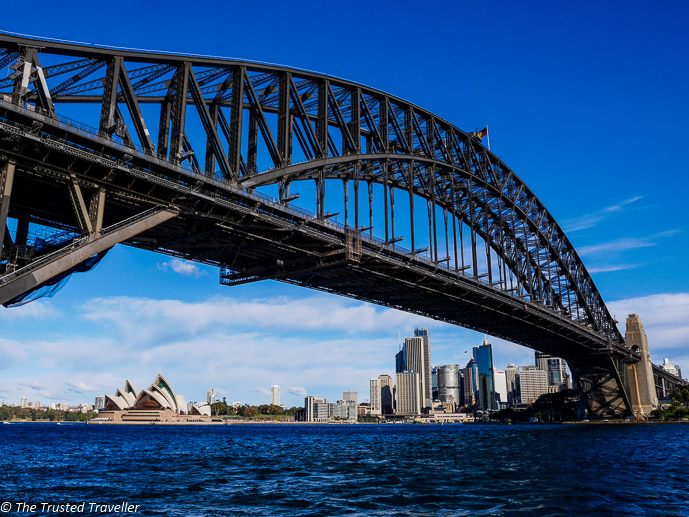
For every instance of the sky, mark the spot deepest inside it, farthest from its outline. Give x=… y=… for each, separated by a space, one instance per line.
x=586 y=101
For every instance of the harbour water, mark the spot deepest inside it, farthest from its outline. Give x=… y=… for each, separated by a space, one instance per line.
x=351 y=469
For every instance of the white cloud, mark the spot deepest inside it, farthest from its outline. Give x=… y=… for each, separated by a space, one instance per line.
x=624 y=244
x=80 y=387
x=38 y=309
x=182 y=267
x=612 y=267
x=297 y=390
x=587 y=221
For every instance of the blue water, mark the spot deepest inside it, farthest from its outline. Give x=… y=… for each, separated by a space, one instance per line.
x=352 y=470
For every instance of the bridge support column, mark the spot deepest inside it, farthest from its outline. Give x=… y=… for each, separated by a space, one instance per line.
x=34 y=275
x=602 y=391
x=640 y=375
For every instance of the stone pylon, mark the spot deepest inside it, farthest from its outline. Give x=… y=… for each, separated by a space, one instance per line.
x=642 y=390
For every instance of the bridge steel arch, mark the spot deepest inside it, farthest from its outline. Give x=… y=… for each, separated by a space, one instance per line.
x=151 y=182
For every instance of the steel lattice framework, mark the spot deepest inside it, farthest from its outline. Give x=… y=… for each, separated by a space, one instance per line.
x=521 y=278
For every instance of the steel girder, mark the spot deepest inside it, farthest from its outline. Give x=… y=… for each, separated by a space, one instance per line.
x=342 y=130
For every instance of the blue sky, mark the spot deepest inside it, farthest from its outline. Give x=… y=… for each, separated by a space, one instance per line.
x=587 y=102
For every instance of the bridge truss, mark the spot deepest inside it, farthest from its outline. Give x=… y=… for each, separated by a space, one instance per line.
x=184 y=148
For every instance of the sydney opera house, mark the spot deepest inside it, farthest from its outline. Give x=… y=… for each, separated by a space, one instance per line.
x=157 y=404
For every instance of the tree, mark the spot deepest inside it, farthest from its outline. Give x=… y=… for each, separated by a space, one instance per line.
x=251 y=411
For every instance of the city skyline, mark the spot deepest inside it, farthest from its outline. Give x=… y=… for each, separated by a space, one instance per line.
x=576 y=129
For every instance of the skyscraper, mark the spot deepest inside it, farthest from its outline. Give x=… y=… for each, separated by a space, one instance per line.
x=470 y=380
x=483 y=355
x=400 y=361
x=23 y=402
x=351 y=396
x=427 y=383
x=376 y=396
x=512 y=380
x=210 y=396
x=500 y=381
x=385 y=394
x=408 y=393
x=556 y=368
x=275 y=395
x=533 y=382
x=448 y=383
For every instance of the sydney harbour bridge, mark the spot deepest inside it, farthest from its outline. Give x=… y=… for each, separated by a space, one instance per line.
x=268 y=172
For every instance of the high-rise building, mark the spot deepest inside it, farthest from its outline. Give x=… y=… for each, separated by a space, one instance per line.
x=448 y=383
x=100 y=402
x=533 y=382
x=483 y=355
x=434 y=383
x=672 y=369
x=417 y=358
x=23 y=403
x=408 y=393
x=470 y=383
x=376 y=396
x=275 y=395
x=556 y=368
x=512 y=380
x=385 y=394
x=210 y=396
x=400 y=361
x=500 y=380
x=351 y=396
x=427 y=383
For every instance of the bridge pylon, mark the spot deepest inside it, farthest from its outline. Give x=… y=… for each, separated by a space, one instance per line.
x=640 y=382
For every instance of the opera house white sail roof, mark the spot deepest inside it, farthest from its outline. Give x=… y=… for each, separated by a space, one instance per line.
x=158 y=396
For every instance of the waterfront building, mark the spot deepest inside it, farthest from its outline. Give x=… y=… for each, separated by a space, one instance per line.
x=500 y=379
x=408 y=393
x=672 y=369
x=319 y=410
x=512 y=380
x=376 y=396
x=448 y=384
x=158 y=403
x=533 y=382
x=100 y=402
x=275 y=395
x=351 y=396
x=316 y=409
x=385 y=394
x=483 y=355
x=470 y=383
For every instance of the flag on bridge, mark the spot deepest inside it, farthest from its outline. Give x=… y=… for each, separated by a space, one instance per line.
x=482 y=133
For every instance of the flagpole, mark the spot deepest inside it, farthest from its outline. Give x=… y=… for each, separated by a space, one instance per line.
x=488 y=137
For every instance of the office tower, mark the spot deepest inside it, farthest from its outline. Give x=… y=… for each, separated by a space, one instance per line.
x=23 y=402
x=425 y=373
x=556 y=368
x=483 y=355
x=434 y=383
x=275 y=395
x=448 y=384
x=351 y=396
x=210 y=396
x=100 y=402
x=500 y=380
x=470 y=382
x=385 y=394
x=408 y=393
x=512 y=380
x=533 y=382
x=400 y=361
x=376 y=395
